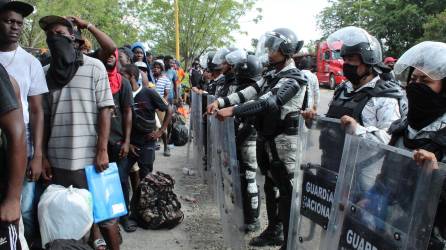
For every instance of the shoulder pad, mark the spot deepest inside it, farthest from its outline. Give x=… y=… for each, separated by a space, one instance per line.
x=440 y=137
x=398 y=126
x=383 y=88
x=339 y=88
x=294 y=74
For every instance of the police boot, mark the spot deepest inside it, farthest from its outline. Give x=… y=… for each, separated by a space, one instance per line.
x=252 y=226
x=271 y=236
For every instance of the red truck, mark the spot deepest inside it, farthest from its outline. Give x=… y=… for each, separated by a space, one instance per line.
x=329 y=64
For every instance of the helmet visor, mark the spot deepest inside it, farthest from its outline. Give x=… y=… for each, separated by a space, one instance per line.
x=220 y=55
x=236 y=56
x=350 y=36
x=428 y=57
x=204 y=60
x=269 y=43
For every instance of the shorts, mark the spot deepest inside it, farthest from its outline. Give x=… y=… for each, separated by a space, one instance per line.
x=9 y=236
x=77 y=179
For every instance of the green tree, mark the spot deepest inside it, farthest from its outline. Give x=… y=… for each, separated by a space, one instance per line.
x=204 y=24
x=111 y=16
x=399 y=24
x=435 y=28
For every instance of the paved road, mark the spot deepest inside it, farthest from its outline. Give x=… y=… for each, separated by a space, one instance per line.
x=201 y=228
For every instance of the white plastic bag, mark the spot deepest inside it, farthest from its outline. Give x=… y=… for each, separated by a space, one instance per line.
x=64 y=213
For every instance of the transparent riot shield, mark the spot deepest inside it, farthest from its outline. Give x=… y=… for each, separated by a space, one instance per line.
x=210 y=170
x=383 y=199
x=196 y=129
x=320 y=146
x=227 y=181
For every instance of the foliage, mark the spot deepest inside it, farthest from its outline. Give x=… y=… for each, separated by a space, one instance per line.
x=435 y=28
x=204 y=24
x=108 y=15
x=399 y=24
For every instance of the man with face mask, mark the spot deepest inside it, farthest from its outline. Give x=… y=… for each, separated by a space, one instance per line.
x=281 y=95
x=79 y=104
x=366 y=104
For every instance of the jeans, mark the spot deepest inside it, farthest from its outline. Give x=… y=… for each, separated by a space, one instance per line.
x=30 y=196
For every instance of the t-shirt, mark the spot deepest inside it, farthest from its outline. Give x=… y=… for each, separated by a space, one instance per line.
x=74 y=112
x=147 y=101
x=28 y=73
x=162 y=83
x=172 y=75
x=195 y=78
x=8 y=102
x=122 y=99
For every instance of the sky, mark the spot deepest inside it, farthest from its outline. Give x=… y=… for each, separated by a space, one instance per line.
x=297 y=15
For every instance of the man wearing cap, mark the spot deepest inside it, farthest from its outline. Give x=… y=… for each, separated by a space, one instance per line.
x=79 y=114
x=28 y=73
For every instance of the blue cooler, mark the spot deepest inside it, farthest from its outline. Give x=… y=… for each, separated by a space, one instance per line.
x=106 y=190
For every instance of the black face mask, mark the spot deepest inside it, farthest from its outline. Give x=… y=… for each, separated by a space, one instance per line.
x=351 y=73
x=65 y=60
x=425 y=106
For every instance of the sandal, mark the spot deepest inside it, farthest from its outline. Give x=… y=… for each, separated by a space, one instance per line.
x=129 y=225
x=100 y=244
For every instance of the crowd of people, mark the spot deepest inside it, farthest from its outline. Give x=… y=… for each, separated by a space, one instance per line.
x=77 y=106
x=72 y=107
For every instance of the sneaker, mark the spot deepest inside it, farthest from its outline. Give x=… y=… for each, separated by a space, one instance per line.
x=157 y=147
x=252 y=227
x=272 y=236
x=167 y=152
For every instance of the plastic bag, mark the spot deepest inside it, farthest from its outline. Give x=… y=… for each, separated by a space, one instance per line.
x=64 y=213
x=106 y=189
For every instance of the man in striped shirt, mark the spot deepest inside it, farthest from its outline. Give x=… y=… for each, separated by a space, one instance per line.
x=162 y=85
x=80 y=104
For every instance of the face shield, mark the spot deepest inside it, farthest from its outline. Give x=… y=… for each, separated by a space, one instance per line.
x=236 y=57
x=204 y=60
x=428 y=57
x=354 y=40
x=220 y=55
x=269 y=43
x=349 y=36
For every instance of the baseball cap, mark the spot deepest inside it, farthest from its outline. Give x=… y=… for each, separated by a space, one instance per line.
x=46 y=21
x=389 y=60
x=21 y=7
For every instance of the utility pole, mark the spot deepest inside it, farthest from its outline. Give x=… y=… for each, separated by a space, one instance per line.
x=177 y=30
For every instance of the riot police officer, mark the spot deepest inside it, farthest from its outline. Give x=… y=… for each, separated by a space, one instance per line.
x=281 y=95
x=227 y=70
x=216 y=78
x=247 y=69
x=365 y=103
x=423 y=130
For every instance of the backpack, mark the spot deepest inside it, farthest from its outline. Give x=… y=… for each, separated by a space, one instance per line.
x=179 y=132
x=155 y=205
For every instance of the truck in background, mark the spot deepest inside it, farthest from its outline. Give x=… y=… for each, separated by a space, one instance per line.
x=329 y=64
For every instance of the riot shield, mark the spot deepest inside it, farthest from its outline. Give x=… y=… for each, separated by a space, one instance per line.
x=383 y=199
x=320 y=145
x=227 y=181
x=210 y=170
x=196 y=128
